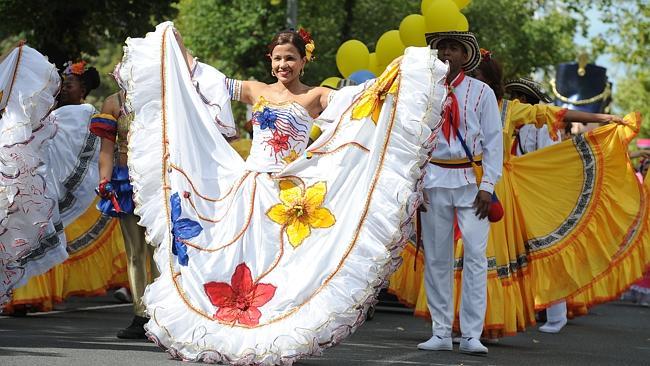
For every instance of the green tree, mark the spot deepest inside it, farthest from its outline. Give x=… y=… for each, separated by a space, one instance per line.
x=65 y=30
x=524 y=35
x=628 y=41
x=233 y=35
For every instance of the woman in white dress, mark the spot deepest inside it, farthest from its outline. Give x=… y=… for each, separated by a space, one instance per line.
x=97 y=258
x=29 y=244
x=271 y=259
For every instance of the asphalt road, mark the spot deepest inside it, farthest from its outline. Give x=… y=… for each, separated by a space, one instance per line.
x=83 y=333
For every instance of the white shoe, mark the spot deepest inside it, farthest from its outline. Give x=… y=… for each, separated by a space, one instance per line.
x=472 y=346
x=553 y=326
x=437 y=343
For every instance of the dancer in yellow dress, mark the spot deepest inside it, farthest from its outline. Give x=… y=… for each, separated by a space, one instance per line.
x=550 y=220
x=97 y=260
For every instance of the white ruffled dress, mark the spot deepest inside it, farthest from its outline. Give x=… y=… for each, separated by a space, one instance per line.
x=72 y=157
x=30 y=243
x=276 y=258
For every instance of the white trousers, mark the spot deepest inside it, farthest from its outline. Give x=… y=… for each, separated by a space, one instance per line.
x=438 y=244
x=556 y=312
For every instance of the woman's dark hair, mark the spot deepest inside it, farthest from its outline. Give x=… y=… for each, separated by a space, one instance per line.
x=493 y=74
x=288 y=36
x=89 y=80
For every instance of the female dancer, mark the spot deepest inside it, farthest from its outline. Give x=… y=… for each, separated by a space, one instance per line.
x=96 y=259
x=272 y=259
x=29 y=244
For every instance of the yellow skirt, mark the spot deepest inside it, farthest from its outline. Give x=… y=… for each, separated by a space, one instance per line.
x=96 y=263
x=576 y=227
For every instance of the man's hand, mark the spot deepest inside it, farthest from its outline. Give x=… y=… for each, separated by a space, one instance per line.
x=482 y=204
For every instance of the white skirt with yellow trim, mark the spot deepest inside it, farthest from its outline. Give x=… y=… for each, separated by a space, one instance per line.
x=260 y=268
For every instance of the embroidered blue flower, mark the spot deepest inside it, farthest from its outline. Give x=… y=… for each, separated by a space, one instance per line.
x=267 y=118
x=182 y=229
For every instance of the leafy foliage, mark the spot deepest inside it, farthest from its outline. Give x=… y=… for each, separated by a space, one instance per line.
x=233 y=35
x=628 y=41
x=64 y=29
x=522 y=35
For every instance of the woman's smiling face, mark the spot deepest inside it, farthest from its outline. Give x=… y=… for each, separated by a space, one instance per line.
x=286 y=62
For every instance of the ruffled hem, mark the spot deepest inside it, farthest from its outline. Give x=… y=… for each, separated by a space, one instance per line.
x=626 y=268
x=339 y=308
x=407 y=281
x=581 y=241
x=90 y=271
x=31 y=244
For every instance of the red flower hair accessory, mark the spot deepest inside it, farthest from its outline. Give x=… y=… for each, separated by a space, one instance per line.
x=77 y=68
x=486 y=55
x=309 y=43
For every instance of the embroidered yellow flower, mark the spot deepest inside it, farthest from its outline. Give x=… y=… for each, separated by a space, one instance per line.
x=300 y=211
x=293 y=155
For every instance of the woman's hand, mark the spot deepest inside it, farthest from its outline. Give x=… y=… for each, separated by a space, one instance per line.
x=611 y=118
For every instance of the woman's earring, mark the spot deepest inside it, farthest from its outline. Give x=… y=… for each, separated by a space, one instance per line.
x=302 y=72
x=272 y=72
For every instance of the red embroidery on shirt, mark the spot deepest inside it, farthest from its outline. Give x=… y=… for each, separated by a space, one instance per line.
x=478 y=101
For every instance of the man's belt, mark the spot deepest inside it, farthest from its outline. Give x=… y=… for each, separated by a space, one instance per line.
x=457 y=163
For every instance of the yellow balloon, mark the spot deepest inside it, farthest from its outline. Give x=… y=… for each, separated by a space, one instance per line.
x=389 y=47
x=373 y=64
x=411 y=31
x=352 y=56
x=441 y=16
x=462 y=3
x=331 y=82
x=425 y=5
x=463 y=24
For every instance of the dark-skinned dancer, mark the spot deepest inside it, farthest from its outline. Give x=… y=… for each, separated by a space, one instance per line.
x=452 y=188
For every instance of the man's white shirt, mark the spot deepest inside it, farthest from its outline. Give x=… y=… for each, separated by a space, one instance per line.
x=480 y=127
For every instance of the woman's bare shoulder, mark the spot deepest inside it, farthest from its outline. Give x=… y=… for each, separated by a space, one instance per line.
x=111 y=105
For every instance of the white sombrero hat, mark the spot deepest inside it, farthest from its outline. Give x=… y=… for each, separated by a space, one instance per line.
x=467 y=39
x=528 y=87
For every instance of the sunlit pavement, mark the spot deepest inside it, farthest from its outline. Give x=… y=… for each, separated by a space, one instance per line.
x=83 y=333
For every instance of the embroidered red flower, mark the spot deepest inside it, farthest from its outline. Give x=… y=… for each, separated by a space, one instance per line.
x=279 y=142
x=239 y=302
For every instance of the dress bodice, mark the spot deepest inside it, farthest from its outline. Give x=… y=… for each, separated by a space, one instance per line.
x=280 y=134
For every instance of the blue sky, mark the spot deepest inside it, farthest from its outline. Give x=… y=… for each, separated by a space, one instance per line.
x=596 y=27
